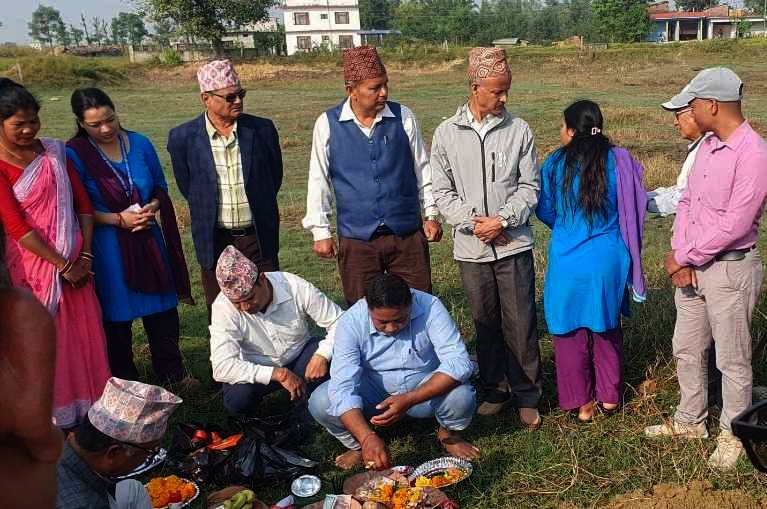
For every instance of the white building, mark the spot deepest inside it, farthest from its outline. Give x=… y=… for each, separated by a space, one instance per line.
x=311 y=24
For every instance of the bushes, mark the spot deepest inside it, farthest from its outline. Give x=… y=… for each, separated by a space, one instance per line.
x=65 y=70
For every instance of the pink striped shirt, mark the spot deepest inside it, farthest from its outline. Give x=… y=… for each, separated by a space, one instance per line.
x=721 y=206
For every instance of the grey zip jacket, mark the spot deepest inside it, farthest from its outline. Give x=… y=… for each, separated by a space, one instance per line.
x=497 y=175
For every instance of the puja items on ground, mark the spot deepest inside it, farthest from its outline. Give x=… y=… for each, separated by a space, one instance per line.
x=446 y=478
x=393 y=491
x=164 y=491
x=234 y=497
x=441 y=472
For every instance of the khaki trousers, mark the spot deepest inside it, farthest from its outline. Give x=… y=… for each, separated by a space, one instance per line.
x=719 y=310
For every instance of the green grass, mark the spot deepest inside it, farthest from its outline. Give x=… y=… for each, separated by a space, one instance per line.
x=583 y=465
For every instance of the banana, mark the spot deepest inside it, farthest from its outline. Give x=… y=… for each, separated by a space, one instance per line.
x=247 y=506
x=238 y=501
x=249 y=495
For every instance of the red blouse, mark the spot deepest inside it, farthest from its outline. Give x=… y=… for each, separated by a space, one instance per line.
x=11 y=213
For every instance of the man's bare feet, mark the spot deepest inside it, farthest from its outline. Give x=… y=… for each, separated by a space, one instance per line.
x=349 y=459
x=456 y=446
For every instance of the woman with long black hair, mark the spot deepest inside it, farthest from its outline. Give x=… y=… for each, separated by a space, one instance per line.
x=140 y=267
x=588 y=188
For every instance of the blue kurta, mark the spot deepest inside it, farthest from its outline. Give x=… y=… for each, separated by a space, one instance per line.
x=118 y=302
x=588 y=268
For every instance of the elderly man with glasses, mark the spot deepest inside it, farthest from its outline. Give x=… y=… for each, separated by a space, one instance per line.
x=260 y=336
x=228 y=166
x=121 y=431
x=664 y=200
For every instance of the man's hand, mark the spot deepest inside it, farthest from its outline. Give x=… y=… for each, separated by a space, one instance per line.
x=487 y=229
x=670 y=264
x=684 y=277
x=317 y=368
x=432 y=230
x=395 y=407
x=374 y=453
x=325 y=248
x=294 y=384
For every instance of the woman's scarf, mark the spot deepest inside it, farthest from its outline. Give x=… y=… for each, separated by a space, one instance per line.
x=632 y=206
x=45 y=194
x=144 y=268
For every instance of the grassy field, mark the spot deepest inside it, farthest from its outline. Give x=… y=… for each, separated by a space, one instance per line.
x=565 y=462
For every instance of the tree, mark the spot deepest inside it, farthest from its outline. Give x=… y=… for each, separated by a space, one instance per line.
x=695 y=5
x=755 y=6
x=61 y=34
x=44 y=23
x=77 y=35
x=376 y=14
x=209 y=19
x=128 y=27
x=164 y=29
x=620 y=20
x=88 y=38
x=96 y=36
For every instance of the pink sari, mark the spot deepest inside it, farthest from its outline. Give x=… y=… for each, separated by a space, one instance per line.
x=82 y=369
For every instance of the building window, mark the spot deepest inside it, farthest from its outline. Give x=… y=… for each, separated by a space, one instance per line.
x=324 y=16
x=300 y=18
x=304 y=42
x=345 y=41
x=326 y=39
x=342 y=18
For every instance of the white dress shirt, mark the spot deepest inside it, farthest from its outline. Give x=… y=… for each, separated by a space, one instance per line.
x=319 y=197
x=664 y=200
x=245 y=347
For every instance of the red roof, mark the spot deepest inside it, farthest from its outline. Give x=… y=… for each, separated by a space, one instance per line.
x=679 y=15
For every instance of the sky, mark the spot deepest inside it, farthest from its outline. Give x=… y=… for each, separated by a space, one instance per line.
x=14 y=14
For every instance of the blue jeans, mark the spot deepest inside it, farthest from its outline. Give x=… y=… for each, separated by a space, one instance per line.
x=245 y=398
x=453 y=411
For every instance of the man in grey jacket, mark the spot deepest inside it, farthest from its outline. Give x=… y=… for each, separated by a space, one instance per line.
x=486 y=183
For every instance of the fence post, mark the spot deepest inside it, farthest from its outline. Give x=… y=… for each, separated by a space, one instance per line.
x=18 y=71
x=131 y=54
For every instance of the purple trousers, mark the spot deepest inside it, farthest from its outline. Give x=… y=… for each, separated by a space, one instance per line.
x=589 y=367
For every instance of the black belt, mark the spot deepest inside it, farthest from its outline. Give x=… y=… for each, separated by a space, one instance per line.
x=238 y=232
x=733 y=255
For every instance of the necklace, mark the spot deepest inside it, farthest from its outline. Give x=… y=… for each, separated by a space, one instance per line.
x=126 y=178
x=14 y=154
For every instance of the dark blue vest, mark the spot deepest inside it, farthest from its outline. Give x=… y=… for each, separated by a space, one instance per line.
x=373 y=178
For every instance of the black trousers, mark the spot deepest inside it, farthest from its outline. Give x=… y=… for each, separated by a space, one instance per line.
x=502 y=300
x=162 y=330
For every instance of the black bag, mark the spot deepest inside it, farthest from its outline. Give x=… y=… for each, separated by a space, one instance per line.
x=258 y=457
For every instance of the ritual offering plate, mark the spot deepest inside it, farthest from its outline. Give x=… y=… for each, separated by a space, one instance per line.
x=441 y=472
x=306 y=486
x=394 y=492
x=149 y=464
x=172 y=489
x=353 y=483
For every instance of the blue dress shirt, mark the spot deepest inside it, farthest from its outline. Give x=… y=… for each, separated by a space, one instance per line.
x=370 y=366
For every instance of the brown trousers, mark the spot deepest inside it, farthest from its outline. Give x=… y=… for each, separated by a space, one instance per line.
x=360 y=261
x=247 y=245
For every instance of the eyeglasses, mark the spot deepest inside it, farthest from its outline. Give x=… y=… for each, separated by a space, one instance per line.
x=751 y=428
x=151 y=452
x=681 y=112
x=230 y=98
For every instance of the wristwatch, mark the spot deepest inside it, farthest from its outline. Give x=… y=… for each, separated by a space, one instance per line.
x=433 y=217
x=504 y=222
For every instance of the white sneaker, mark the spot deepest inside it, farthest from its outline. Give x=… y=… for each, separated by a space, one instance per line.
x=677 y=430
x=728 y=450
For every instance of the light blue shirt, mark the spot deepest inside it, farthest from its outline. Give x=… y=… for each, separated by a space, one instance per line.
x=368 y=362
